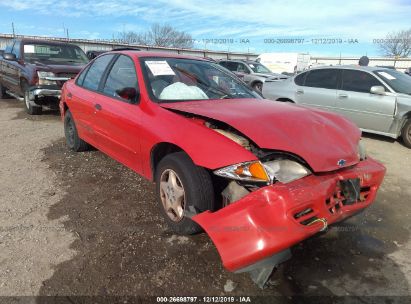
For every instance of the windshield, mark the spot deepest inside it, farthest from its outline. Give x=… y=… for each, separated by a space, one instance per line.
x=399 y=82
x=259 y=68
x=176 y=79
x=54 y=54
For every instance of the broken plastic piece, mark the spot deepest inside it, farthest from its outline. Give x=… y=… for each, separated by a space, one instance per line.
x=233 y=192
x=261 y=271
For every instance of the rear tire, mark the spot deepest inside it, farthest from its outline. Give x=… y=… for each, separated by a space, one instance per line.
x=30 y=109
x=406 y=134
x=73 y=141
x=191 y=191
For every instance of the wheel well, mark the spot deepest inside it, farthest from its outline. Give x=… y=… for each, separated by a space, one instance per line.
x=159 y=152
x=65 y=108
x=255 y=82
x=405 y=118
x=23 y=80
x=285 y=100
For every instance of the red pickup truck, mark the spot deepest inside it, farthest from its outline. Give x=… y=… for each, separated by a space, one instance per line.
x=35 y=70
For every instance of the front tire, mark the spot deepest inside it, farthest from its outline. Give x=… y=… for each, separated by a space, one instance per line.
x=406 y=134
x=183 y=187
x=3 y=94
x=73 y=141
x=30 y=109
x=258 y=86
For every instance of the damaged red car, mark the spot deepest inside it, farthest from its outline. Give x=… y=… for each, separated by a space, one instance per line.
x=258 y=176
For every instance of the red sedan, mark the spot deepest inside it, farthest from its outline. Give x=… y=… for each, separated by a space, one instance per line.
x=258 y=176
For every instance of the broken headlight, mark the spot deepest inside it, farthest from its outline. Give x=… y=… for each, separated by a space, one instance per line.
x=362 y=152
x=283 y=170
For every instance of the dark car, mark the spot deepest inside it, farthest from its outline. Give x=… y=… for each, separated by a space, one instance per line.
x=251 y=72
x=93 y=54
x=35 y=70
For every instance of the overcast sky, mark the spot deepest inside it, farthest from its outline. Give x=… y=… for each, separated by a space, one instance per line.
x=239 y=25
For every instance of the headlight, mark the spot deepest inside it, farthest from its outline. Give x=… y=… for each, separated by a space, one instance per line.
x=249 y=171
x=362 y=152
x=43 y=78
x=285 y=170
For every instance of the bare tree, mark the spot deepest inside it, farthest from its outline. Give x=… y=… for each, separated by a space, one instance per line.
x=159 y=35
x=396 y=44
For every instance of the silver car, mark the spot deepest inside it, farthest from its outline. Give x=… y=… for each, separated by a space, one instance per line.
x=378 y=100
x=252 y=73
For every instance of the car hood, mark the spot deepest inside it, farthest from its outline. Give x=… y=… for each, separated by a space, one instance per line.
x=60 y=68
x=324 y=140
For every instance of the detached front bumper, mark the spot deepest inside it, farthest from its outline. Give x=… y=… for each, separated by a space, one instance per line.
x=276 y=217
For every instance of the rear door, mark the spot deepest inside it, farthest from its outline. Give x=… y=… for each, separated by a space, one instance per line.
x=368 y=111
x=82 y=99
x=319 y=89
x=117 y=119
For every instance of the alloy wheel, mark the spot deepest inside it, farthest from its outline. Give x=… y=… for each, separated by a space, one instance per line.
x=172 y=195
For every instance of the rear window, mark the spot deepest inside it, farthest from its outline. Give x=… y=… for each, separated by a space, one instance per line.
x=299 y=79
x=95 y=72
x=324 y=78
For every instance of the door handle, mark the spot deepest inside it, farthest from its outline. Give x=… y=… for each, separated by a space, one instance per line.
x=69 y=96
x=299 y=92
x=98 y=107
x=342 y=96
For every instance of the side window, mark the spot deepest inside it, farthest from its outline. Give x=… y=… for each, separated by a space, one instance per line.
x=95 y=72
x=80 y=78
x=324 y=78
x=16 y=49
x=299 y=79
x=122 y=76
x=223 y=63
x=358 y=81
x=242 y=68
x=232 y=66
x=9 y=48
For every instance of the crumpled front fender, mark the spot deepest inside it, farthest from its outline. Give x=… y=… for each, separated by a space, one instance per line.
x=274 y=218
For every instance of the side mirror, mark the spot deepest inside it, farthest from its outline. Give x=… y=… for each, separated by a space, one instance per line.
x=378 y=90
x=129 y=94
x=9 y=57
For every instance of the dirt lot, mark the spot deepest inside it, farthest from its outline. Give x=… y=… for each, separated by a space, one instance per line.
x=82 y=224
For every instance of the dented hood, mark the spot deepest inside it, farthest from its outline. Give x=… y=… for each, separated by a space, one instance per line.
x=326 y=141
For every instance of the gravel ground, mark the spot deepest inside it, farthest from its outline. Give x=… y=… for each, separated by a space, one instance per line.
x=82 y=224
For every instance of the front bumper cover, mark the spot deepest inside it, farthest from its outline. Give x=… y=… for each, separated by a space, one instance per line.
x=39 y=92
x=276 y=217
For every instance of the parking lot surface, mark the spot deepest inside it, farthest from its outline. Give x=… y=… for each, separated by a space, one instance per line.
x=82 y=224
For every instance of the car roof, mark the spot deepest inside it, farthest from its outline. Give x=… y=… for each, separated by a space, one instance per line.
x=142 y=54
x=240 y=60
x=350 y=67
x=43 y=41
